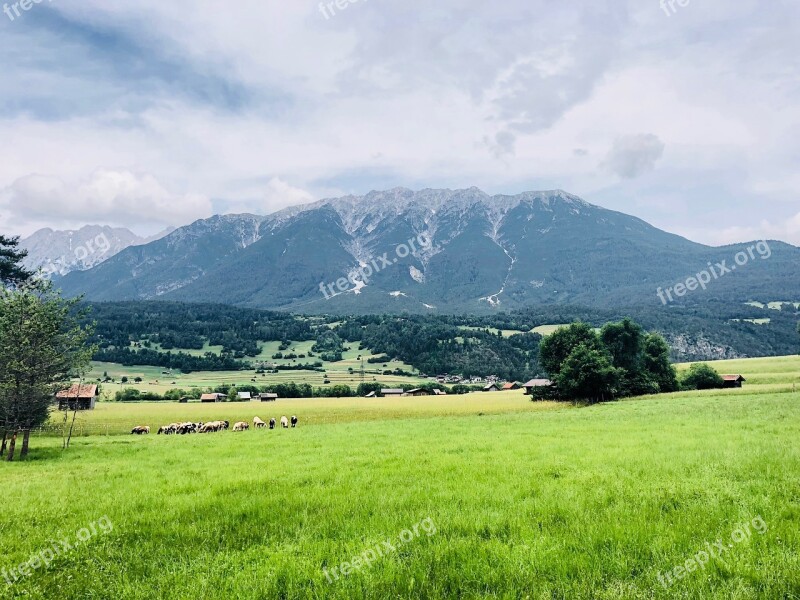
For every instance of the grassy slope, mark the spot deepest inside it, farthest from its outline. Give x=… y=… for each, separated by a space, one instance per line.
x=528 y=500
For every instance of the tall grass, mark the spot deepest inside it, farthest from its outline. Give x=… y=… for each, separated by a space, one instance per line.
x=572 y=503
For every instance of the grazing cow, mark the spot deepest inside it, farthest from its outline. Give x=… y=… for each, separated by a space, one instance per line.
x=272 y=423
x=241 y=426
x=294 y=421
x=258 y=423
x=284 y=422
x=140 y=430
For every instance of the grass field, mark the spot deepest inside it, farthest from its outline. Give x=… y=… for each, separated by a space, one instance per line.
x=343 y=372
x=487 y=495
x=154 y=379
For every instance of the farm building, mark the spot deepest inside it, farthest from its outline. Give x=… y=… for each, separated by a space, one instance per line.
x=535 y=383
x=212 y=397
x=732 y=381
x=392 y=392
x=514 y=385
x=77 y=397
x=491 y=387
x=417 y=392
x=370 y=395
x=268 y=397
x=244 y=396
x=438 y=392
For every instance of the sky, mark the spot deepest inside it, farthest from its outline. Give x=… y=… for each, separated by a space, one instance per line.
x=147 y=114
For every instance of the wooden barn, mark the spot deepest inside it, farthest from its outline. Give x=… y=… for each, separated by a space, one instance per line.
x=77 y=397
x=492 y=387
x=417 y=392
x=732 y=381
x=514 y=385
x=392 y=393
x=268 y=397
x=212 y=397
x=535 y=383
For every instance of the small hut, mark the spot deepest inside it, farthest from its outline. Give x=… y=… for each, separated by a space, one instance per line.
x=77 y=397
x=732 y=381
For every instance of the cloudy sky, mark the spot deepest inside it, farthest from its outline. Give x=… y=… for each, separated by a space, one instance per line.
x=148 y=113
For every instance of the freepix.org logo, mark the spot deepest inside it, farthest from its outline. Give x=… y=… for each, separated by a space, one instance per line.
x=705 y=277
x=13 y=11
x=360 y=276
x=58 y=548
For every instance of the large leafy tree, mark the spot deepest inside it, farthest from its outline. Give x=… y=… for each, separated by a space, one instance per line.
x=625 y=342
x=11 y=257
x=587 y=373
x=43 y=343
x=578 y=360
x=559 y=345
x=657 y=363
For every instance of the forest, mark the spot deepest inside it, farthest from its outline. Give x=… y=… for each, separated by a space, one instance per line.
x=159 y=333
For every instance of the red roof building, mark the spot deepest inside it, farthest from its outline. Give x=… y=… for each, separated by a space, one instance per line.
x=77 y=397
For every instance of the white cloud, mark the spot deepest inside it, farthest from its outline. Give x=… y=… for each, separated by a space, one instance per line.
x=785 y=231
x=277 y=195
x=525 y=94
x=634 y=155
x=108 y=196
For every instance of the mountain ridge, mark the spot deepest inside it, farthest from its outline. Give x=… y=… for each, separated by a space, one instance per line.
x=488 y=252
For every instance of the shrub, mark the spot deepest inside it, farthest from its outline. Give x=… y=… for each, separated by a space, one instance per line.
x=701 y=376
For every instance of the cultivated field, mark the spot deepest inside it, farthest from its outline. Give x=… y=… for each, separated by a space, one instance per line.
x=487 y=495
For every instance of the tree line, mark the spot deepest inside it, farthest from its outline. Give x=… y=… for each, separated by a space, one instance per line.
x=433 y=344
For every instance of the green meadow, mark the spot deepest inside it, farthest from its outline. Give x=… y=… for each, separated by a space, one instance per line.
x=344 y=372
x=478 y=496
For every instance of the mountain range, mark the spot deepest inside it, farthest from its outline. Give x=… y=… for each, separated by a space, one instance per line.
x=61 y=252
x=486 y=253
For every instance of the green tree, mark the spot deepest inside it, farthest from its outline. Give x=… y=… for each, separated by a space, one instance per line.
x=701 y=376
x=42 y=345
x=625 y=342
x=556 y=347
x=658 y=365
x=587 y=374
x=366 y=388
x=11 y=271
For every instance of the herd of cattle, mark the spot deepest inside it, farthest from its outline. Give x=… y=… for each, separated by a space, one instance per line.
x=213 y=426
